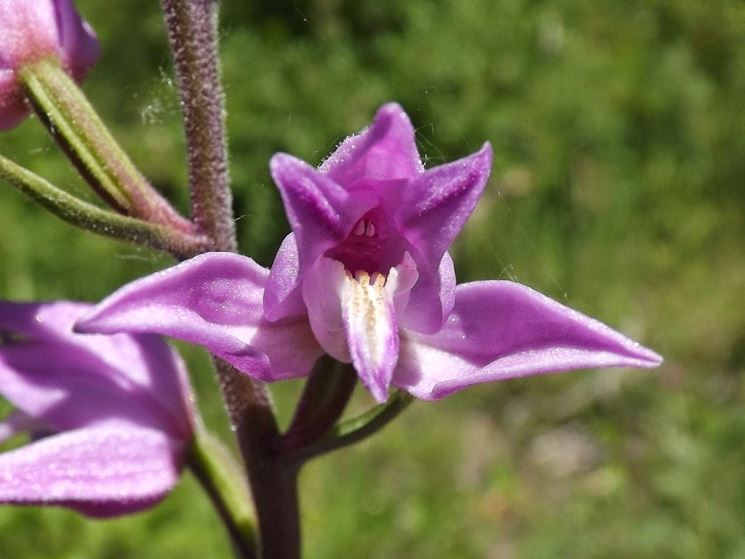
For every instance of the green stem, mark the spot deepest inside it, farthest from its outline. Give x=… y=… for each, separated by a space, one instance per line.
x=327 y=392
x=76 y=126
x=213 y=468
x=357 y=429
x=92 y=218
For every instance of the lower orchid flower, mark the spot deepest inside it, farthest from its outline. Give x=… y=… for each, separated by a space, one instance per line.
x=365 y=277
x=110 y=417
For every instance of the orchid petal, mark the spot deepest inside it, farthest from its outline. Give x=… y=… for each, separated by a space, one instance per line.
x=214 y=300
x=98 y=471
x=321 y=212
x=436 y=204
x=354 y=318
x=66 y=389
x=322 y=289
x=431 y=298
x=134 y=365
x=384 y=151
x=283 y=297
x=28 y=31
x=77 y=40
x=369 y=317
x=500 y=330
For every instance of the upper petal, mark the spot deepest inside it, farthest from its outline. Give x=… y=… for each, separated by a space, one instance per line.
x=320 y=210
x=435 y=205
x=384 y=151
x=214 y=300
x=500 y=330
x=100 y=472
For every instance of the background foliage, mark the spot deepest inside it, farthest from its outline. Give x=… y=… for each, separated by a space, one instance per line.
x=620 y=156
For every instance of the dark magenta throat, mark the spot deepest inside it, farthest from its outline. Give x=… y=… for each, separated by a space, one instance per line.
x=368 y=247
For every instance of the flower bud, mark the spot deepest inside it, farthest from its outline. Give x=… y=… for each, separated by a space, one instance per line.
x=33 y=30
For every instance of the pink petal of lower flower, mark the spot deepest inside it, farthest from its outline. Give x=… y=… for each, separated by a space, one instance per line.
x=500 y=330
x=101 y=472
x=214 y=300
x=137 y=366
x=13 y=108
x=66 y=389
x=77 y=41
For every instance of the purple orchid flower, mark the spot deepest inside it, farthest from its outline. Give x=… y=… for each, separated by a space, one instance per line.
x=110 y=417
x=36 y=29
x=365 y=277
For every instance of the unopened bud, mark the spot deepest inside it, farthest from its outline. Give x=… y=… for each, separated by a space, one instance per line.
x=31 y=30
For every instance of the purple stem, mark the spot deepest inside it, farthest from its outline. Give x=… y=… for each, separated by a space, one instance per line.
x=273 y=479
x=192 y=30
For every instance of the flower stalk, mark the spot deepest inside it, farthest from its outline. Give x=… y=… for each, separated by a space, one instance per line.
x=92 y=218
x=357 y=429
x=85 y=139
x=324 y=398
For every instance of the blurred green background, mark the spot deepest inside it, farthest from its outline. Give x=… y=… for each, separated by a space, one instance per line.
x=619 y=136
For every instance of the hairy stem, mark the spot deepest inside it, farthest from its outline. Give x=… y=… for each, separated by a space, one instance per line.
x=192 y=30
x=75 y=125
x=272 y=478
x=92 y=218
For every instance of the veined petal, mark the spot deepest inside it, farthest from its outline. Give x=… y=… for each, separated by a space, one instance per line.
x=500 y=330
x=214 y=300
x=66 y=389
x=384 y=151
x=101 y=472
x=436 y=205
x=369 y=317
x=119 y=366
x=354 y=319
